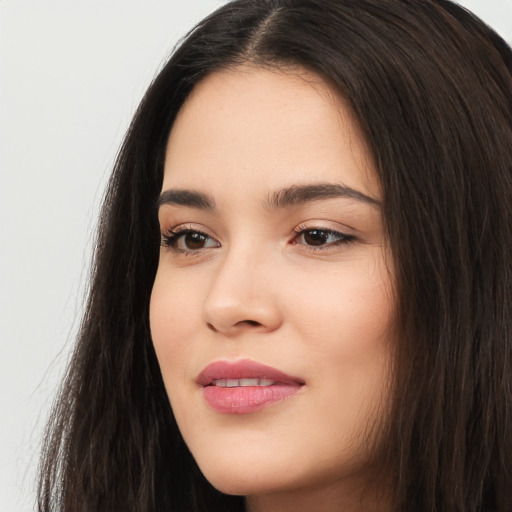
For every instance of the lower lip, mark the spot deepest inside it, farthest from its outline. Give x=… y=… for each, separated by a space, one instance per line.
x=244 y=400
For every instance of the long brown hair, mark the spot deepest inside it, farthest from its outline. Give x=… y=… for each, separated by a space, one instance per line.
x=431 y=86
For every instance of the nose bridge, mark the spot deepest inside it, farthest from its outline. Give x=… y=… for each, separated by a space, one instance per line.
x=241 y=294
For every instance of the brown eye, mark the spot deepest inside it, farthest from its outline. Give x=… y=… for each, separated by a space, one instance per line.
x=321 y=238
x=188 y=241
x=316 y=237
x=193 y=241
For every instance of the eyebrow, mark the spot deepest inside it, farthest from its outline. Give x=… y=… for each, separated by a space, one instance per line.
x=302 y=194
x=284 y=198
x=190 y=198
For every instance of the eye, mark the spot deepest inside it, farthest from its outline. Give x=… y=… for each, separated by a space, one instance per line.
x=320 y=238
x=188 y=240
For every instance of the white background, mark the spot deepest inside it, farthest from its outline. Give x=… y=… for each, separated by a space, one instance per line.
x=71 y=75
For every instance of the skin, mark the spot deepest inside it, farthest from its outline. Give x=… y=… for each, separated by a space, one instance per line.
x=255 y=287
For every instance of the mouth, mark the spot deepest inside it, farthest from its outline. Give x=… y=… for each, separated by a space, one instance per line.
x=245 y=386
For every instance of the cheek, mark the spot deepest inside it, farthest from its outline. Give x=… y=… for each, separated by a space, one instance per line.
x=352 y=306
x=345 y=323
x=173 y=320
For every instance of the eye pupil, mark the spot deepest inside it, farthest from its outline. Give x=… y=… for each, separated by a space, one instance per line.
x=194 y=240
x=316 y=237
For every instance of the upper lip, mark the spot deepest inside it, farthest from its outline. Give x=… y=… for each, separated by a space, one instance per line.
x=244 y=369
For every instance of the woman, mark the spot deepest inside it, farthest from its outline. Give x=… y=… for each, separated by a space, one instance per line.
x=326 y=324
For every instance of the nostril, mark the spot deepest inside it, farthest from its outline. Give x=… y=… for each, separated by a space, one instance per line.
x=249 y=322
x=211 y=326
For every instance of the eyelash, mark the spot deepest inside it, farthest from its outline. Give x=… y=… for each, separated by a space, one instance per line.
x=173 y=236
x=342 y=238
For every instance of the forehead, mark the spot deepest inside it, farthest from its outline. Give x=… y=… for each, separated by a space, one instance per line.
x=262 y=127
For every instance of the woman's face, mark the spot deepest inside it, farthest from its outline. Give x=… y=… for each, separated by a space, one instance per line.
x=272 y=306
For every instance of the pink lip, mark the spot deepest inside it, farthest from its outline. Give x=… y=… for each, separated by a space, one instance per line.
x=247 y=399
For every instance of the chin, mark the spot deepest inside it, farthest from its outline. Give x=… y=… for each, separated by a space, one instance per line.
x=236 y=485
x=249 y=478
x=258 y=476
x=248 y=484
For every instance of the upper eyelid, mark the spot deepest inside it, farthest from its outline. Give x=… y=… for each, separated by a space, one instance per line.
x=187 y=229
x=320 y=225
x=325 y=230
x=184 y=227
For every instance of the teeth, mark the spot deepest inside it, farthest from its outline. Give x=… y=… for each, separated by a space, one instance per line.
x=249 y=382
x=235 y=383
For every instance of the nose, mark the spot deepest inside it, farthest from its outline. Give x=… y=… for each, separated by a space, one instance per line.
x=242 y=296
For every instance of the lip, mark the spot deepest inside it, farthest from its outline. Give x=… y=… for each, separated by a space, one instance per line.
x=246 y=399
x=244 y=369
